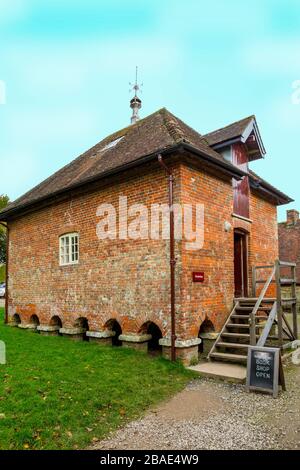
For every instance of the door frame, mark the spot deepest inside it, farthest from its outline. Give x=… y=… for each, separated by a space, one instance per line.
x=244 y=237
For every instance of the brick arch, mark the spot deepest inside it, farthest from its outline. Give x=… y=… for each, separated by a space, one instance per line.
x=114 y=325
x=56 y=321
x=151 y=319
x=112 y=317
x=82 y=322
x=240 y=224
x=207 y=326
x=34 y=319
x=197 y=320
x=16 y=318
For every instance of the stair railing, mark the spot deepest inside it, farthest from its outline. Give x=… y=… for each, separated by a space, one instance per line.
x=258 y=302
x=277 y=312
x=266 y=331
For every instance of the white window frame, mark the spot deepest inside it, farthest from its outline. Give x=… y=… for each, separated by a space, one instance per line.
x=68 y=256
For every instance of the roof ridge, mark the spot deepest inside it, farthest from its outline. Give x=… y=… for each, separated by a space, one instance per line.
x=172 y=126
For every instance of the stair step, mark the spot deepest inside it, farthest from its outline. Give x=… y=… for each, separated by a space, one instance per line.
x=237 y=335
x=244 y=317
x=291 y=300
x=249 y=309
x=229 y=357
x=254 y=300
x=241 y=325
x=287 y=282
x=231 y=345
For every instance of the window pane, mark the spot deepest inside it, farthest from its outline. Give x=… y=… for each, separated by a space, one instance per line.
x=74 y=248
x=69 y=249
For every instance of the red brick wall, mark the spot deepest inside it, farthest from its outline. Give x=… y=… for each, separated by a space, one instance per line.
x=264 y=237
x=123 y=279
x=129 y=280
x=289 y=242
x=213 y=299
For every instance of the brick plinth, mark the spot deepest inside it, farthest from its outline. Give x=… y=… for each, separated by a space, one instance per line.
x=101 y=337
x=48 y=330
x=137 y=342
x=187 y=351
x=76 y=334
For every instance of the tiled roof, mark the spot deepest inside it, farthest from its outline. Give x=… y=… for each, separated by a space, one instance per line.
x=229 y=132
x=155 y=133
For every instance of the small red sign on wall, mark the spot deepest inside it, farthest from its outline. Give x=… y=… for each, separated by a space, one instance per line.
x=198 y=276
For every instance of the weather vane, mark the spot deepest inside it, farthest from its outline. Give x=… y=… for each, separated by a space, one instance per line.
x=135 y=102
x=135 y=86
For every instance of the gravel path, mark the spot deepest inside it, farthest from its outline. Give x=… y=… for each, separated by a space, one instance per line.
x=216 y=415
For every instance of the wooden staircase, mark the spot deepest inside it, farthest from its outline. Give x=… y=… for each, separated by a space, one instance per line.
x=234 y=339
x=252 y=318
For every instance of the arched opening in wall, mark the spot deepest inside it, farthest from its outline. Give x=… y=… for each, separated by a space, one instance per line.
x=205 y=329
x=56 y=321
x=83 y=323
x=34 y=320
x=16 y=319
x=115 y=326
x=150 y=328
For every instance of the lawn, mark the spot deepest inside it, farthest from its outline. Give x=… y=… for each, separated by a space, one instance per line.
x=60 y=394
x=2 y=273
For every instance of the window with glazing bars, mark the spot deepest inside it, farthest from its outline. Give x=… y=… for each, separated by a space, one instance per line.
x=69 y=249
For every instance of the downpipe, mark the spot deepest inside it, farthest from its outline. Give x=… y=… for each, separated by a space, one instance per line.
x=6 y=271
x=172 y=255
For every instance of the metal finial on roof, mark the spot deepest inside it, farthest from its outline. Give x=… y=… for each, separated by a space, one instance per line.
x=135 y=102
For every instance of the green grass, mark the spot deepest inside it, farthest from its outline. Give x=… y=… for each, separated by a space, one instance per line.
x=60 y=394
x=2 y=273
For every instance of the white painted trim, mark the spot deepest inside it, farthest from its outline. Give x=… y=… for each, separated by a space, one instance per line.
x=69 y=236
x=242 y=218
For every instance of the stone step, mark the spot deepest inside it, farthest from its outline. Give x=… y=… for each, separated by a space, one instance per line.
x=229 y=357
x=221 y=370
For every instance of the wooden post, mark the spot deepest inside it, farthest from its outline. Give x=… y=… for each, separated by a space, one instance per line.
x=279 y=305
x=252 y=317
x=254 y=281
x=294 y=305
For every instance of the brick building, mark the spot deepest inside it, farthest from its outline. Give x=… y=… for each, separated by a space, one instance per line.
x=65 y=279
x=289 y=239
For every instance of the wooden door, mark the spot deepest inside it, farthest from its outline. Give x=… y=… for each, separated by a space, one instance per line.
x=240 y=264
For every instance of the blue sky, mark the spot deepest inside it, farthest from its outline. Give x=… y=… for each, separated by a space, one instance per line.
x=66 y=65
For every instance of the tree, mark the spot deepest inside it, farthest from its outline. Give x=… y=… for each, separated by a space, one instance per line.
x=4 y=200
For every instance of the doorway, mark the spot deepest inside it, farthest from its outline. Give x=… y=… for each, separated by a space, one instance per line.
x=240 y=264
